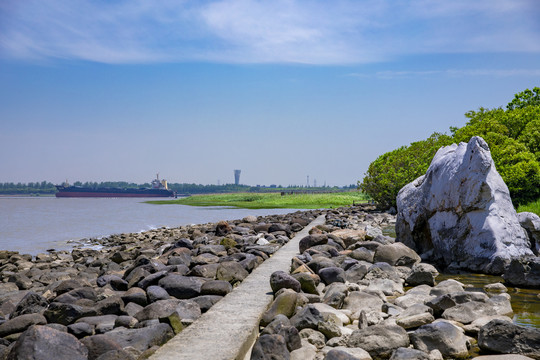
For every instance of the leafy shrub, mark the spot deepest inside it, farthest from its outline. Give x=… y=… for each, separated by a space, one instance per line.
x=395 y=169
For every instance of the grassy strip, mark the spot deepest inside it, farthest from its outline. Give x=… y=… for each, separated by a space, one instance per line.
x=272 y=200
x=533 y=207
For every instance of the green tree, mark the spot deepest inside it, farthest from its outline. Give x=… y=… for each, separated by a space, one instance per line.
x=395 y=169
x=524 y=99
x=517 y=166
x=513 y=136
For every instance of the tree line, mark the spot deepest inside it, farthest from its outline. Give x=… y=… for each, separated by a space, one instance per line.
x=31 y=188
x=47 y=188
x=513 y=136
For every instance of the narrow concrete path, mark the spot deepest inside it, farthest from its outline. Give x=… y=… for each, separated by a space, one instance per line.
x=228 y=330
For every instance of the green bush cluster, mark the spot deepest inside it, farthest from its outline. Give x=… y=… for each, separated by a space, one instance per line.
x=513 y=135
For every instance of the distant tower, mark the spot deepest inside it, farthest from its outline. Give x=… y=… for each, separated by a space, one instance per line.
x=308 y=181
x=314 y=182
x=237 y=177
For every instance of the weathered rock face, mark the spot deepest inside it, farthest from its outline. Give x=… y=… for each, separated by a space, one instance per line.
x=460 y=213
x=531 y=223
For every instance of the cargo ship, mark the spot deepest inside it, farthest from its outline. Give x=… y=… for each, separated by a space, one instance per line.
x=158 y=189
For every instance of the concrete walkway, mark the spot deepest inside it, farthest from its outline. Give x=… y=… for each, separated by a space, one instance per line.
x=228 y=330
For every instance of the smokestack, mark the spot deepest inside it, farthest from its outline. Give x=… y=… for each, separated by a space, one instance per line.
x=237 y=177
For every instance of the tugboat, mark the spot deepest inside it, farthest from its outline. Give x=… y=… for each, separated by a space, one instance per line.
x=158 y=189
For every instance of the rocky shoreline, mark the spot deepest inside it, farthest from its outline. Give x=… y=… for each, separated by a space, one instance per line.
x=345 y=299
x=129 y=293
x=133 y=292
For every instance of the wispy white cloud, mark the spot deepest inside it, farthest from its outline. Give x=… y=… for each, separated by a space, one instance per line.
x=261 y=31
x=449 y=73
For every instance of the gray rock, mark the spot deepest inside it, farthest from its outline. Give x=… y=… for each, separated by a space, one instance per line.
x=31 y=303
x=155 y=293
x=447 y=301
x=284 y=304
x=98 y=345
x=152 y=279
x=507 y=338
x=396 y=254
x=362 y=254
x=143 y=338
x=204 y=270
x=102 y=323
x=346 y=353
x=357 y=272
x=379 y=340
x=414 y=321
x=307 y=317
x=116 y=355
x=131 y=309
x=282 y=280
x=72 y=296
x=332 y=274
x=442 y=336
x=329 y=329
x=422 y=273
x=22 y=281
x=231 y=271
x=271 y=347
x=446 y=287
x=21 y=323
x=409 y=354
x=282 y=326
x=136 y=295
x=468 y=312
x=335 y=295
x=205 y=302
x=417 y=295
x=308 y=282
x=314 y=337
x=320 y=262
x=45 y=343
x=359 y=300
x=125 y=321
x=181 y=287
x=116 y=282
x=474 y=327
x=157 y=310
x=110 y=305
x=523 y=272
x=80 y=330
x=531 y=223
x=461 y=213
x=216 y=287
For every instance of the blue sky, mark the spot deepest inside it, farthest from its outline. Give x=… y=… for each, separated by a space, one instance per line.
x=119 y=90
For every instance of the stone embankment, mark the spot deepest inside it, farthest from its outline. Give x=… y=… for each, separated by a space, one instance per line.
x=133 y=294
x=356 y=294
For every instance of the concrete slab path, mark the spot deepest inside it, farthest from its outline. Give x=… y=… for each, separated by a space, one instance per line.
x=228 y=330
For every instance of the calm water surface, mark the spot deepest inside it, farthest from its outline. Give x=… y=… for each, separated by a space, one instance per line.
x=34 y=224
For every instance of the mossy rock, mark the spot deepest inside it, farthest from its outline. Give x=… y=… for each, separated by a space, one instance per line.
x=228 y=243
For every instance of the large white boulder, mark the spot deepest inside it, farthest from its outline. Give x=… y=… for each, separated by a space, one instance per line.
x=460 y=213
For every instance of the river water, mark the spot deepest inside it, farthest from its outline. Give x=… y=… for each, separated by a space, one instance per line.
x=31 y=225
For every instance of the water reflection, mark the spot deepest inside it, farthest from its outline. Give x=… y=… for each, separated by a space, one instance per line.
x=525 y=302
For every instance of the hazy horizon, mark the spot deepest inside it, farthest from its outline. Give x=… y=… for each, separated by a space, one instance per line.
x=118 y=91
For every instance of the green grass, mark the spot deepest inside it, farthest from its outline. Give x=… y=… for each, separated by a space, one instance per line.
x=533 y=207
x=272 y=200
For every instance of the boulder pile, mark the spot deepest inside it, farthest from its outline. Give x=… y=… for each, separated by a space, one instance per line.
x=134 y=293
x=345 y=298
